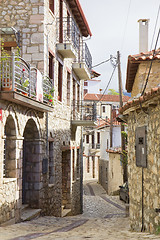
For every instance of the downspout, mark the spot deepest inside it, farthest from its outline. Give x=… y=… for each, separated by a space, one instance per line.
x=143 y=228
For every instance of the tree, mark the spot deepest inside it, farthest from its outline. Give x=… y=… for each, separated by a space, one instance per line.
x=113 y=92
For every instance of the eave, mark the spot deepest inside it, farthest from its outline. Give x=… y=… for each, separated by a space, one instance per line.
x=81 y=20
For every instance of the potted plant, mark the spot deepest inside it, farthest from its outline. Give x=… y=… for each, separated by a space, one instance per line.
x=25 y=85
x=49 y=97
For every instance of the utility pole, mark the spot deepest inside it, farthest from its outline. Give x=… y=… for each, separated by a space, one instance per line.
x=125 y=170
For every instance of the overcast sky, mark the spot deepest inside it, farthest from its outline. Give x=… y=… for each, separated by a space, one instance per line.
x=114 y=27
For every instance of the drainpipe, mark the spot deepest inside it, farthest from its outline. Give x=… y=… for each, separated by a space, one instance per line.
x=143 y=228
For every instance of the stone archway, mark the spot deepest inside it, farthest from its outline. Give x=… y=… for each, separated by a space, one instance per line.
x=9 y=161
x=31 y=167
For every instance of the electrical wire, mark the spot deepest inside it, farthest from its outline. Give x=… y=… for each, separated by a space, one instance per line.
x=125 y=25
x=154 y=53
x=108 y=82
x=155 y=27
x=101 y=63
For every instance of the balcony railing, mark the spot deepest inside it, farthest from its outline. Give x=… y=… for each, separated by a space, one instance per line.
x=84 y=112
x=86 y=56
x=17 y=75
x=68 y=32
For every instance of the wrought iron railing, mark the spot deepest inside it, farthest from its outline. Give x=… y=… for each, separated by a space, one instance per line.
x=17 y=75
x=68 y=32
x=83 y=111
x=86 y=56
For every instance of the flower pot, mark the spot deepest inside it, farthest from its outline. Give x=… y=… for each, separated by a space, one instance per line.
x=24 y=93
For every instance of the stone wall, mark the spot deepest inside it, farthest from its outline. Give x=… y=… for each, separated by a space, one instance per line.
x=37 y=26
x=151 y=173
x=141 y=76
x=9 y=207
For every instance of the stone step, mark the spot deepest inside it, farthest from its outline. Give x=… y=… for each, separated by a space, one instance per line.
x=66 y=212
x=24 y=206
x=29 y=214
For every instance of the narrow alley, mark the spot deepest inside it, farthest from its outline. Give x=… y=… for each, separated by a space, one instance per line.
x=104 y=217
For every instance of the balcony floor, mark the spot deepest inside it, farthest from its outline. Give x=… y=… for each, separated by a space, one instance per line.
x=25 y=101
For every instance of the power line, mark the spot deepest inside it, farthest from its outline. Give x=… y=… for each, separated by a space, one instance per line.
x=108 y=82
x=154 y=53
x=101 y=63
x=155 y=26
x=126 y=24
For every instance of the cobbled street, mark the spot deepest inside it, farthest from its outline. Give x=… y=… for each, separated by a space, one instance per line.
x=104 y=217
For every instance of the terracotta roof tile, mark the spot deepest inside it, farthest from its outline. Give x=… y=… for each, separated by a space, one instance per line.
x=133 y=63
x=105 y=98
x=147 y=96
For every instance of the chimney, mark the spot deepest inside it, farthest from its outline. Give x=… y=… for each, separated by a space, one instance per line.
x=143 y=35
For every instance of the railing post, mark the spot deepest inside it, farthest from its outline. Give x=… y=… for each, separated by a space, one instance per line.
x=13 y=71
x=29 y=80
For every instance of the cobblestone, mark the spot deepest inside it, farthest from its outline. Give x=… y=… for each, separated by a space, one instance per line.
x=92 y=224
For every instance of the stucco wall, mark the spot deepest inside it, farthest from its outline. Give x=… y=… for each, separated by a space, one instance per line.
x=142 y=75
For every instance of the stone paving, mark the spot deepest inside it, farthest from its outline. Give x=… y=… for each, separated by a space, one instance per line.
x=104 y=217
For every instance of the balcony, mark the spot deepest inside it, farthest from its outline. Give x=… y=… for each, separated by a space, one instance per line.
x=24 y=85
x=83 y=115
x=83 y=66
x=67 y=37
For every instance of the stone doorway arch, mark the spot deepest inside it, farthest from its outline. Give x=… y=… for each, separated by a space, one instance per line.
x=9 y=161
x=31 y=166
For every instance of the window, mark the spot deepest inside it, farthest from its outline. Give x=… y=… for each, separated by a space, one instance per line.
x=61 y=21
x=92 y=140
x=68 y=25
x=85 y=91
x=86 y=84
x=104 y=109
x=60 y=74
x=87 y=138
x=51 y=67
x=88 y=167
x=68 y=88
x=73 y=162
x=98 y=137
x=78 y=163
x=51 y=5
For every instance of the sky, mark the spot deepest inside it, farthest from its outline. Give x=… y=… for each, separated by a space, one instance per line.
x=114 y=26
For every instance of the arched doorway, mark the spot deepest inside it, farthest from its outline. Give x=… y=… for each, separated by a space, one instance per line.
x=31 y=170
x=9 y=160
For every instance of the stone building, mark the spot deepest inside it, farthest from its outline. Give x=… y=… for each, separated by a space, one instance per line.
x=40 y=143
x=143 y=118
x=105 y=135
